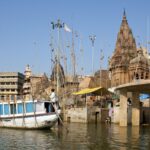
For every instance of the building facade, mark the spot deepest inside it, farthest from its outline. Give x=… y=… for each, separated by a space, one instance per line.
x=34 y=85
x=11 y=85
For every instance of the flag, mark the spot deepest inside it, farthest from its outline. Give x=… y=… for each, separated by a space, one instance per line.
x=66 y=28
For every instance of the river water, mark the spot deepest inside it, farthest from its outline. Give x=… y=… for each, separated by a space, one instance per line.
x=79 y=137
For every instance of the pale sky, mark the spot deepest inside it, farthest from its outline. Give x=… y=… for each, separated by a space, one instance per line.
x=25 y=30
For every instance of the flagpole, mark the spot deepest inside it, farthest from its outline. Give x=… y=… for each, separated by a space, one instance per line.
x=57 y=25
x=101 y=59
x=66 y=29
x=92 y=38
x=147 y=42
x=73 y=56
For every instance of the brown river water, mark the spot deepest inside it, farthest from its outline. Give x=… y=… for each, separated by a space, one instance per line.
x=79 y=137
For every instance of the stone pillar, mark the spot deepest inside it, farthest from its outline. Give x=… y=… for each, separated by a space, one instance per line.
x=123 y=108
x=9 y=97
x=15 y=98
x=135 y=109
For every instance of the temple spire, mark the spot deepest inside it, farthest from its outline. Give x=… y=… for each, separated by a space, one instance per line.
x=124 y=15
x=125 y=45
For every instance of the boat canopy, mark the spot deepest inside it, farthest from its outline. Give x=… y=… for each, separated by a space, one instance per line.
x=96 y=91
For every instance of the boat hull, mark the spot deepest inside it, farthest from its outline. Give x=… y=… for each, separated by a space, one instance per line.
x=32 y=121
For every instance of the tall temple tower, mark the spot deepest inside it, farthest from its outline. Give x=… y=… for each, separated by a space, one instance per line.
x=125 y=51
x=27 y=83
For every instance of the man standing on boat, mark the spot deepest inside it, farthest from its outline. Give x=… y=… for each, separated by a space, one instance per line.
x=54 y=99
x=53 y=96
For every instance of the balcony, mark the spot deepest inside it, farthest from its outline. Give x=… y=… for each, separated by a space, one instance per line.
x=8 y=80
x=8 y=86
x=8 y=92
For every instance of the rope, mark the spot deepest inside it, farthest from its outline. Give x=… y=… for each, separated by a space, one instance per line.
x=36 y=123
x=14 y=111
x=23 y=106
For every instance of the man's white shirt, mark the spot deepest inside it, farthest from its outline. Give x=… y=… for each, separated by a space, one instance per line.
x=53 y=97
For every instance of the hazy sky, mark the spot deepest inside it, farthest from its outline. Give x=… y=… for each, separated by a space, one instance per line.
x=25 y=30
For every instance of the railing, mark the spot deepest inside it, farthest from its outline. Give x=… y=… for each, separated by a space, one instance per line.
x=8 y=80
x=8 y=86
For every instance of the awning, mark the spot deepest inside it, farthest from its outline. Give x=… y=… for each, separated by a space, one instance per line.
x=96 y=91
x=144 y=96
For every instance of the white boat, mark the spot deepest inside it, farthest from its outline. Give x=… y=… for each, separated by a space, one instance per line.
x=28 y=115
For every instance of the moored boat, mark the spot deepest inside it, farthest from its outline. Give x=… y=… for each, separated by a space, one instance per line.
x=28 y=114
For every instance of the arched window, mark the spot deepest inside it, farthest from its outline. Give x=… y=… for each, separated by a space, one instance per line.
x=146 y=77
x=142 y=75
x=137 y=76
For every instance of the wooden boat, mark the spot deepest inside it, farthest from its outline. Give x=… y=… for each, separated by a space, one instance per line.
x=28 y=115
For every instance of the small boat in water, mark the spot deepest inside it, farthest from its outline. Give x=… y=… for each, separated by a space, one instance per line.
x=28 y=114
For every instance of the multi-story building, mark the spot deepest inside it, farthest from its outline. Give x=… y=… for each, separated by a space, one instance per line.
x=11 y=85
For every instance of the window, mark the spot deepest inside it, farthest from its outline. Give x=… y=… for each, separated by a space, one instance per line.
x=137 y=76
x=12 y=97
x=6 y=109
x=13 y=108
x=146 y=77
x=13 y=83
x=20 y=108
x=1 y=109
x=29 y=107
x=2 y=97
x=142 y=75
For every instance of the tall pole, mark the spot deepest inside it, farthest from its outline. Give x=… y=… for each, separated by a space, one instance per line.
x=92 y=38
x=101 y=61
x=57 y=25
x=73 y=56
x=51 y=53
x=147 y=25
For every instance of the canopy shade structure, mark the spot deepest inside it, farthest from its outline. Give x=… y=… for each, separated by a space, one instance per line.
x=97 y=91
x=144 y=96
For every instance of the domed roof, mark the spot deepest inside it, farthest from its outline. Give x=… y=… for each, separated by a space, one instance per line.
x=140 y=58
x=58 y=72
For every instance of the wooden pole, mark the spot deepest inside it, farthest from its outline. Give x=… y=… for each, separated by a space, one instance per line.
x=59 y=117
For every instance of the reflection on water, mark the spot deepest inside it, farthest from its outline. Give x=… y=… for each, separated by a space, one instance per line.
x=79 y=137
